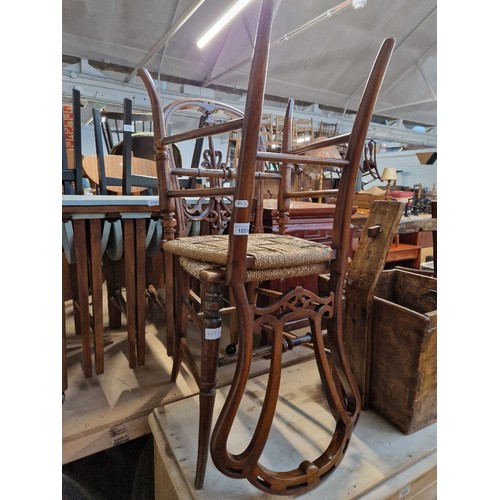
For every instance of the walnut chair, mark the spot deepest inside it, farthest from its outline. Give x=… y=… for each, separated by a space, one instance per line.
x=368 y=167
x=243 y=260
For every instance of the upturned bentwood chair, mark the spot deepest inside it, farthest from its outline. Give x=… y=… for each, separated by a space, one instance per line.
x=240 y=261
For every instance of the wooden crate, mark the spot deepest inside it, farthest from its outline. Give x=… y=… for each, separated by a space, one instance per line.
x=404 y=342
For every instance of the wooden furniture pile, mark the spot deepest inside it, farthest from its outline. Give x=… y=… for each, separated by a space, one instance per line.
x=219 y=263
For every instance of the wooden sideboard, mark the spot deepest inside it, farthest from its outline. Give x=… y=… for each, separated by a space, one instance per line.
x=314 y=221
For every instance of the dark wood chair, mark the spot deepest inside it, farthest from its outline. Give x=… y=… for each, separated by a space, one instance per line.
x=237 y=265
x=114 y=125
x=368 y=167
x=122 y=174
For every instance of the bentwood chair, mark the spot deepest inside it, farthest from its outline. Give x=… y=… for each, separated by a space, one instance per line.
x=241 y=262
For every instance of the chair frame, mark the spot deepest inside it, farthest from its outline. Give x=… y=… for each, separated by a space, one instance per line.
x=326 y=310
x=116 y=116
x=128 y=179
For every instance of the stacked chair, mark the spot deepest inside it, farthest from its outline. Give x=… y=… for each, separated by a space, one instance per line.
x=119 y=173
x=226 y=269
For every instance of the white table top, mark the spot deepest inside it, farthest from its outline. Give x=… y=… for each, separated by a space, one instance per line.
x=109 y=200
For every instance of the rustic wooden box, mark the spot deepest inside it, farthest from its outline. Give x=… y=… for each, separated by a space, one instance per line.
x=403 y=375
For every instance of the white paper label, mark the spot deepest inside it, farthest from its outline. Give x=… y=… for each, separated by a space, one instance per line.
x=241 y=203
x=241 y=228
x=213 y=333
x=128 y=128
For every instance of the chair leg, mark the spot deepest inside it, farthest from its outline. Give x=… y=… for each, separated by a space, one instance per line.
x=130 y=287
x=64 y=357
x=97 y=302
x=114 y=281
x=210 y=340
x=180 y=322
x=140 y=263
x=80 y=241
x=169 y=305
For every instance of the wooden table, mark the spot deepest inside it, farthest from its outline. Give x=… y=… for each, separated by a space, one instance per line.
x=88 y=219
x=311 y=220
x=314 y=221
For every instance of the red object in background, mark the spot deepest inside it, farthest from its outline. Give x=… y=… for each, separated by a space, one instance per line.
x=68 y=125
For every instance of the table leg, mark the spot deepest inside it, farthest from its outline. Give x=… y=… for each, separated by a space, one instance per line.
x=129 y=257
x=64 y=357
x=97 y=301
x=80 y=242
x=140 y=269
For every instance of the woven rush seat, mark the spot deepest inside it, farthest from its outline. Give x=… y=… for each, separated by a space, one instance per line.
x=270 y=256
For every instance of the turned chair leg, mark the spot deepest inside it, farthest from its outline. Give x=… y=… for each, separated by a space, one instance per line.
x=176 y=288
x=210 y=341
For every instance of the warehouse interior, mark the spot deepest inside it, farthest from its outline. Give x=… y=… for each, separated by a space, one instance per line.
x=319 y=55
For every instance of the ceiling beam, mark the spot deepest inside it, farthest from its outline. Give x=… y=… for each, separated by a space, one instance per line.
x=102 y=91
x=165 y=38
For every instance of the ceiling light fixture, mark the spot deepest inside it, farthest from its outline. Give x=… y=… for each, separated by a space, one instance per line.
x=358 y=4
x=222 y=21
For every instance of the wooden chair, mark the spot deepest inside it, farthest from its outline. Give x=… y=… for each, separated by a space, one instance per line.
x=114 y=126
x=327 y=129
x=72 y=183
x=126 y=174
x=121 y=174
x=302 y=130
x=368 y=167
x=78 y=261
x=242 y=261
x=112 y=165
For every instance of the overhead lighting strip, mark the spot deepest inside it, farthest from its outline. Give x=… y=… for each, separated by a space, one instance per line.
x=225 y=18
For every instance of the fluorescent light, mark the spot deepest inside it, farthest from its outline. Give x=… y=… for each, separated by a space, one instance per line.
x=222 y=21
x=358 y=4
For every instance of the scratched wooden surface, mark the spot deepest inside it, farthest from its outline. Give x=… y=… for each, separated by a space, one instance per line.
x=380 y=461
x=108 y=409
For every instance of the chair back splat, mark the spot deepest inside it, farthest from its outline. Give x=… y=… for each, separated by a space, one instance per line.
x=228 y=269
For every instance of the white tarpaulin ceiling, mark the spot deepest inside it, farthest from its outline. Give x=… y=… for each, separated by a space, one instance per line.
x=321 y=53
